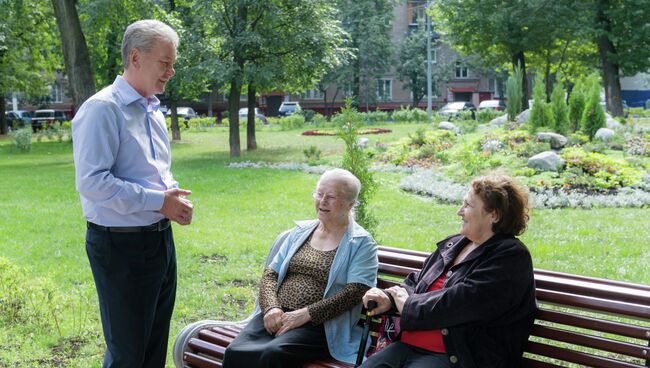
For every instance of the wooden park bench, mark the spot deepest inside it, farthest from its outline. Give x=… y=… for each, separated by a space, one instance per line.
x=580 y=322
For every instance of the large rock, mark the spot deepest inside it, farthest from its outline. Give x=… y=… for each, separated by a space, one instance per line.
x=446 y=125
x=362 y=142
x=523 y=117
x=604 y=134
x=546 y=161
x=492 y=145
x=500 y=121
x=558 y=141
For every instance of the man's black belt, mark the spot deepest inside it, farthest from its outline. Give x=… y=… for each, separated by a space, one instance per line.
x=158 y=226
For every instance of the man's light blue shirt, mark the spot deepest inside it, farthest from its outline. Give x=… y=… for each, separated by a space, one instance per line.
x=122 y=157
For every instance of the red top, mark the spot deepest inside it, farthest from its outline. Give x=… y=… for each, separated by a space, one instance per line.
x=427 y=339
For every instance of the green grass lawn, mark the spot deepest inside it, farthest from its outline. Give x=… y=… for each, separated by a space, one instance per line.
x=48 y=307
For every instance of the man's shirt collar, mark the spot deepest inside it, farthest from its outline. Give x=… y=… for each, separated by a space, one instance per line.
x=128 y=95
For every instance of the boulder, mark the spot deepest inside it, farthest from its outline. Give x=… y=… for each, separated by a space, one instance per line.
x=604 y=134
x=500 y=121
x=558 y=141
x=523 y=117
x=362 y=142
x=492 y=145
x=546 y=161
x=612 y=123
x=448 y=126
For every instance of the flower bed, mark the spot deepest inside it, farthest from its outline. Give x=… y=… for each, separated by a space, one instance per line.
x=361 y=131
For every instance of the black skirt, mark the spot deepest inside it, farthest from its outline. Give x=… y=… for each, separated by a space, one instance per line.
x=254 y=347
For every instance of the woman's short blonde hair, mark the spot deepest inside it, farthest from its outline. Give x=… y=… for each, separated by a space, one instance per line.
x=509 y=200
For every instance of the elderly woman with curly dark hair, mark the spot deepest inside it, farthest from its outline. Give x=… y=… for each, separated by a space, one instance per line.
x=472 y=303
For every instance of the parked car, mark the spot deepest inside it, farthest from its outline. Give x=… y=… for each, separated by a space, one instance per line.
x=498 y=105
x=452 y=109
x=186 y=113
x=18 y=119
x=288 y=108
x=45 y=118
x=243 y=115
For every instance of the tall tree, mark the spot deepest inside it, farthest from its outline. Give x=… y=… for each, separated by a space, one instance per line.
x=270 y=45
x=622 y=33
x=104 y=22
x=75 y=51
x=29 y=50
x=369 y=23
x=412 y=66
x=512 y=30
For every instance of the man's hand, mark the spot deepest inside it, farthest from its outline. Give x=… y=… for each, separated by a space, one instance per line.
x=383 y=302
x=273 y=320
x=399 y=295
x=176 y=207
x=291 y=320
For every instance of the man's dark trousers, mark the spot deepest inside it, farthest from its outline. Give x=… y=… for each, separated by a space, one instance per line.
x=135 y=276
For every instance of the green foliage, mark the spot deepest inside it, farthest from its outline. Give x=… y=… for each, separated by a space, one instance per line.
x=593 y=118
x=356 y=161
x=560 y=109
x=377 y=116
x=293 y=121
x=577 y=139
x=23 y=139
x=577 y=104
x=514 y=92
x=412 y=66
x=319 y=120
x=350 y=116
x=308 y=114
x=607 y=172
x=486 y=115
x=313 y=154
x=541 y=115
x=406 y=114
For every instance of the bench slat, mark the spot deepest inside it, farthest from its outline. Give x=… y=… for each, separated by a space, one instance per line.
x=594 y=289
x=605 y=282
x=600 y=343
x=216 y=338
x=595 y=324
x=595 y=304
x=207 y=348
x=576 y=357
x=198 y=361
x=402 y=271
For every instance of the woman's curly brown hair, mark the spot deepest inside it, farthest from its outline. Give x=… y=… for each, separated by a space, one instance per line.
x=509 y=200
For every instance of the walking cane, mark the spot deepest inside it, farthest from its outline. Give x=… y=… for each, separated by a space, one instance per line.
x=366 y=331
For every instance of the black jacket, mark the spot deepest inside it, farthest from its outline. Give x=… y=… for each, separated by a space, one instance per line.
x=486 y=307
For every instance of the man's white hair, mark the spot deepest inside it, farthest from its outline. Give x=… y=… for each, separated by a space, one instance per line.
x=143 y=34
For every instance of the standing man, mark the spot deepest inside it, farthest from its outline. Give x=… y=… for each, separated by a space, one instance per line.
x=128 y=196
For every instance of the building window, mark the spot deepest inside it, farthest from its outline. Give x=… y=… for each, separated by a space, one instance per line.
x=313 y=94
x=384 y=89
x=461 y=70
x=416 y=12
x=56 y=93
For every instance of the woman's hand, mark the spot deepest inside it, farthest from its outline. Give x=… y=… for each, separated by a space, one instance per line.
x=273 y=320
x=293 y=319
x=379 y=296
x=399 y=295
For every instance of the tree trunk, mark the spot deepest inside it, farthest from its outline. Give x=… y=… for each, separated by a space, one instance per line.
x=251 y=143
x=3 y=119
x=173 y=105
x=518 y=58
x=233 y=108
x=75 y=51
x=611 y=78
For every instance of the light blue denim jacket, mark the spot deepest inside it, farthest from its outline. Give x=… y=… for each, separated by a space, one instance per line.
x=355 y=262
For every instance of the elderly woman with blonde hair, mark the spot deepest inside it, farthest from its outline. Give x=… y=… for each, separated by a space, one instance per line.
x=472 y=304
x=310 y=293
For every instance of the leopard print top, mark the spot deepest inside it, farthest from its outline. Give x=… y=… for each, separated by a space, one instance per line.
x=304 y=286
